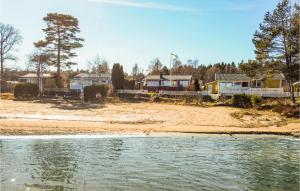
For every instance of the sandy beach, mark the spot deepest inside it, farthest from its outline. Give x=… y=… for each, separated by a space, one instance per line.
x=34 y=118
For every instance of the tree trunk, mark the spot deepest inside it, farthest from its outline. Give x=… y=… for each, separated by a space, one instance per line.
x=58 y=81
x=291 y=90
x=2 y=71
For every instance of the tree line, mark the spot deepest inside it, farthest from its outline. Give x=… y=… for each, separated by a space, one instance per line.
x=276 y=47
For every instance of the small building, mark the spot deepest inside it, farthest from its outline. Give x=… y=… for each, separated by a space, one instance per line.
x=48 y=79
x=235 y=82
x=167 y=82
x=82 y=80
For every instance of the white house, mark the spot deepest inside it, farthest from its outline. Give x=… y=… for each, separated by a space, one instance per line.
x=32 y=78
x=85 y=79
x=166 y=82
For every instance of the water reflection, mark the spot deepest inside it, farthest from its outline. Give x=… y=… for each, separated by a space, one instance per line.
x=57 y=163
x=151 y=163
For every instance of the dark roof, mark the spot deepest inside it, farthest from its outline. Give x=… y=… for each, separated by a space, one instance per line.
x=232 y=77
x=167 y=77
x=244 y=77
x=271 y=76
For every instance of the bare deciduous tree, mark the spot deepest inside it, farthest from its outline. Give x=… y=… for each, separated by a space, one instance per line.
x=9 y=38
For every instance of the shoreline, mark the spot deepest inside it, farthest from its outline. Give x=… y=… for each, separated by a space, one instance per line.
x=32 y=118
x=135 y=135
x=39 y=127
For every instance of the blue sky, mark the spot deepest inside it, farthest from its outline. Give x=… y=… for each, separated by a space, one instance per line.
x=136 y=31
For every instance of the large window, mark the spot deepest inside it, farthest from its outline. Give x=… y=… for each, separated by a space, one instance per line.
x=226 y=84
x=152 y=83
x=184 y=83
x=165 y=83
x=258 y=83
x=245 y=84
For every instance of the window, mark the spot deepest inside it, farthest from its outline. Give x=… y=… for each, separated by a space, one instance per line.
x=165 y=83
x=184 y=83
x=152 y=83
x=258 y=83
x=244 y=84
x=226 y=84
x=237 y=84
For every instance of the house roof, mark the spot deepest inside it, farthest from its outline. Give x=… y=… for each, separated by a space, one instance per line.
x=244 y=77
x=167 y=77
x=279 y=76
x=88 y=75
x=34 y=75
x=296 y=83
x=232 y=77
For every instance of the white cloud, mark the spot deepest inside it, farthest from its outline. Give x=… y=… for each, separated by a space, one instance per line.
x=146 y=5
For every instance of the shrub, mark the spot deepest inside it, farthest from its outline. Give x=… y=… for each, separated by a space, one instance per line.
x=26 y=90
x=90 y=92
x=241 y=100
x=129 y=84
x=256 y=100
x=155 y=99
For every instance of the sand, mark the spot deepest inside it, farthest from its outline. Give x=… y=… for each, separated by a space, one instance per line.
x=34 y=118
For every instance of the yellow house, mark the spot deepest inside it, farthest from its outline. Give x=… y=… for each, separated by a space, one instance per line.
x=242 y=82
x=296 y=86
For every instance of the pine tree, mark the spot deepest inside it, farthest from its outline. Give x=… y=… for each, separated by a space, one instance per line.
x=117 y=77
x=196 y=85
x=60 y=40
x=277 y=42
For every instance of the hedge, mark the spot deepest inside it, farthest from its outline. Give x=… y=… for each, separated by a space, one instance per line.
x=241 y=100
x=26 y=90
x=90 y=92
x=245 y=101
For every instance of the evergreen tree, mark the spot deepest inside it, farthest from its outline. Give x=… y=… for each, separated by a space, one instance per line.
x=117 y=77
x=196 y=85
x=60 y=40
x=277 y=42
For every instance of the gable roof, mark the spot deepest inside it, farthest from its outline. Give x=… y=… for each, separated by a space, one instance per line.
x=167 y=77
x=279 y=76
x=232 y=77
x=244 y=77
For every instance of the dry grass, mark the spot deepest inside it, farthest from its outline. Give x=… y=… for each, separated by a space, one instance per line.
x=7 y=96
x=252 y=118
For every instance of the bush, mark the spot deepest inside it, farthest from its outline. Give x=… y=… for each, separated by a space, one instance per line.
x=91 y=92
x=241 y=100
x=129 y=84
x=26 y=90
x=256 y=100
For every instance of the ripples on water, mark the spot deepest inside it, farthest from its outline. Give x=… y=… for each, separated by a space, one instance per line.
x=201 y=162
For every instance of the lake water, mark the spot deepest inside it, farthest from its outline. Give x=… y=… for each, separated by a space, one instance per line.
x=171 y=162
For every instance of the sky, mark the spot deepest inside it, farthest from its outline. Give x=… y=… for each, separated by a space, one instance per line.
x=137 y=31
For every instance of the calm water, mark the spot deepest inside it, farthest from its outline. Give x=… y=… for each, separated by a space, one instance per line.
x=200 y=162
